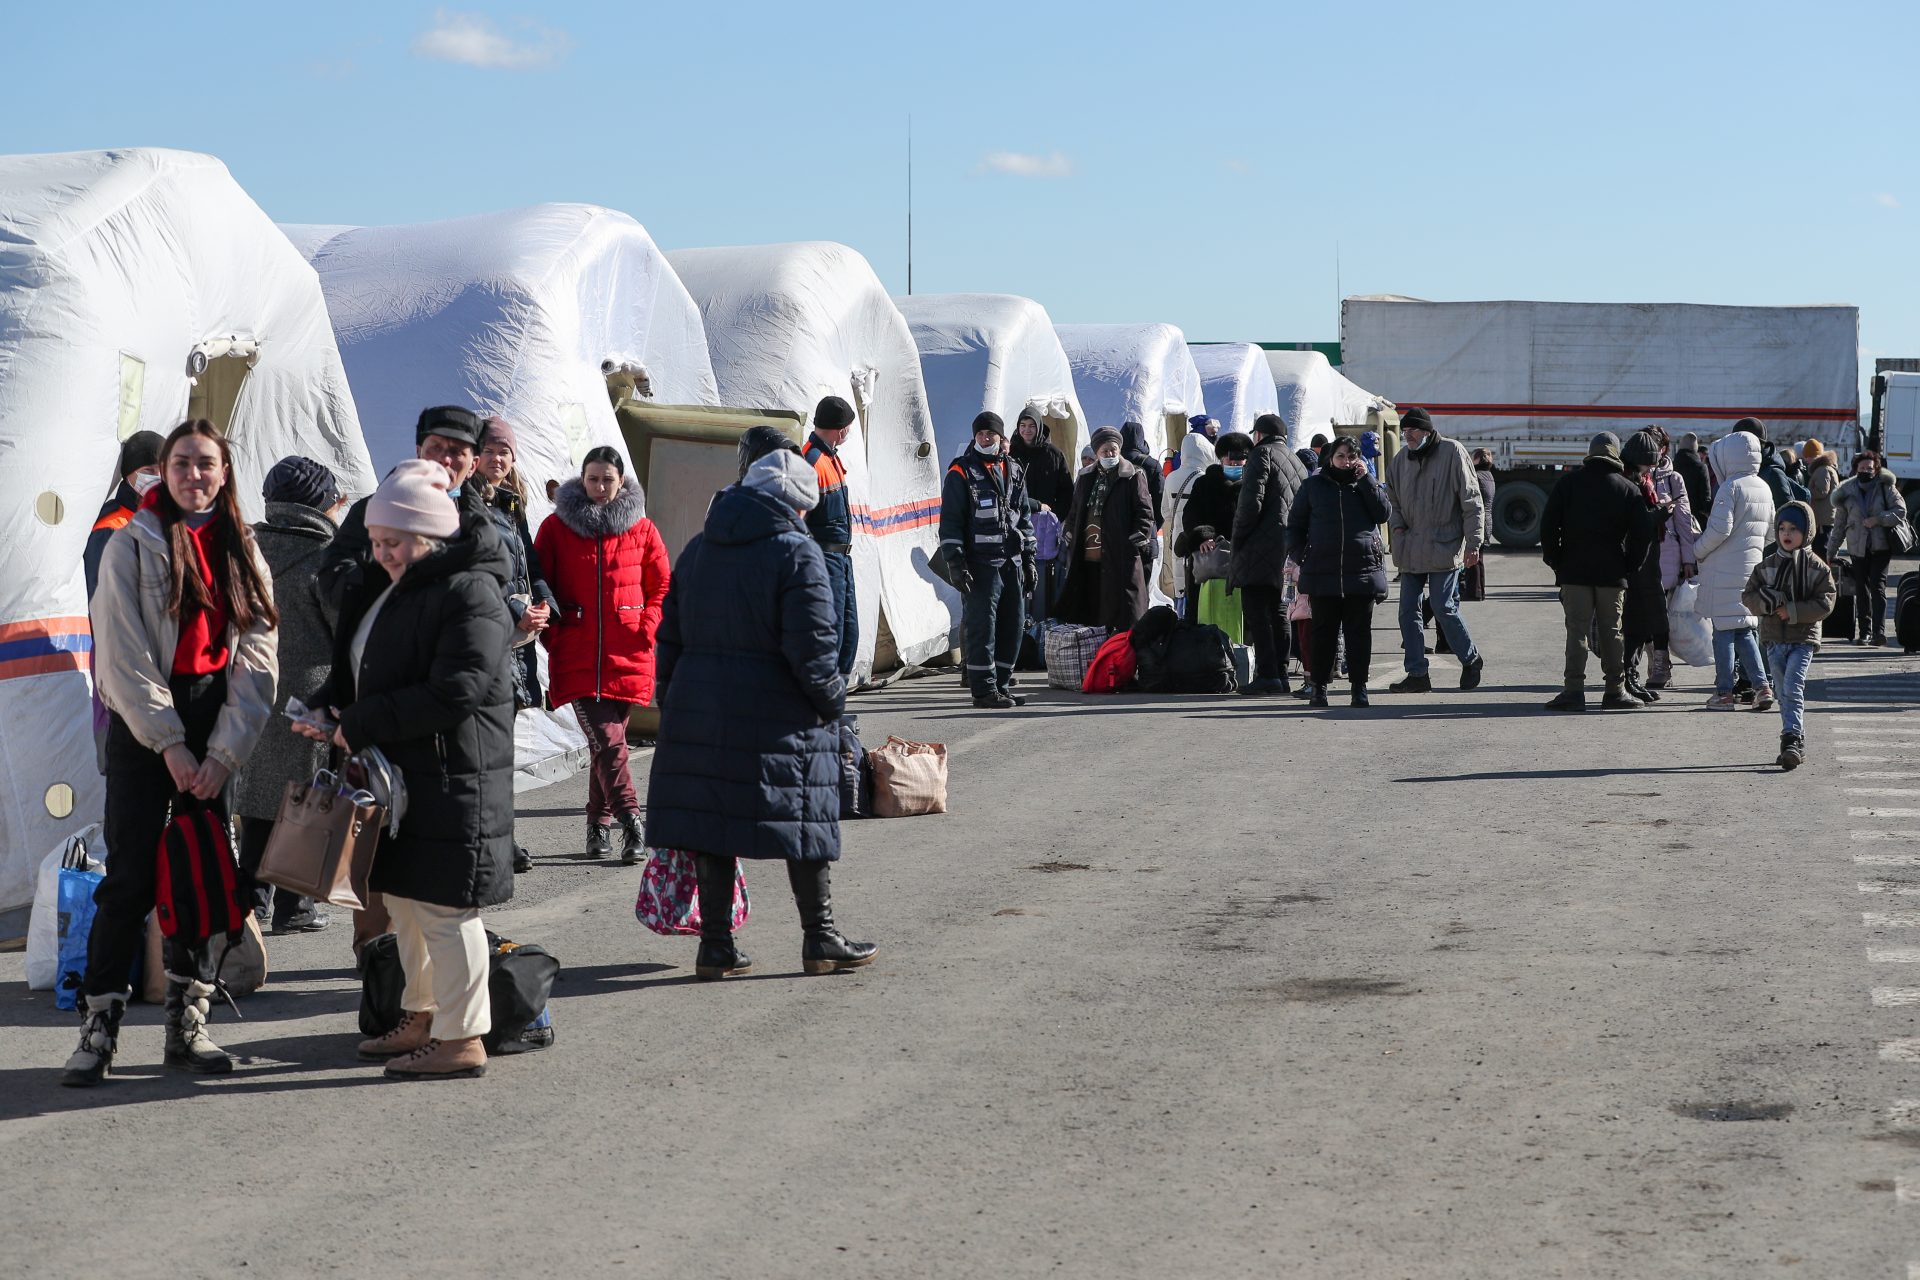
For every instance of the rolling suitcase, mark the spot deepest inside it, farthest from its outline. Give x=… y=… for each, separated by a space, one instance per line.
x=1906 y=612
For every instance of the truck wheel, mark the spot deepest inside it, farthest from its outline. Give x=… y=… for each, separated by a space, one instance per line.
x=1517 y=508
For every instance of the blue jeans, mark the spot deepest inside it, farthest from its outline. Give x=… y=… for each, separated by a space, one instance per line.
x=995 y=618
x=1788 y=665
x=1743 y=641
x=1442 y=590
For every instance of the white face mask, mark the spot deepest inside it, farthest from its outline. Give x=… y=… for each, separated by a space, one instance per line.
x=1108 y=464
x=144 y=482
x=989 y=449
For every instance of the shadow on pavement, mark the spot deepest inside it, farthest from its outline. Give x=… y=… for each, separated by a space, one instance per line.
x=1518 y=775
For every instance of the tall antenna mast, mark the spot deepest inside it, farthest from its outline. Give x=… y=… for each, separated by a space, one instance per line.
x=909 y=206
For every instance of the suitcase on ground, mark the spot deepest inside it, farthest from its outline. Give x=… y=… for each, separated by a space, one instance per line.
x=1069 y=652
x=1906 y=611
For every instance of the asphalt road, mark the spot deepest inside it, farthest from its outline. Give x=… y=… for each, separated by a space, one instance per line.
x=1181 y=987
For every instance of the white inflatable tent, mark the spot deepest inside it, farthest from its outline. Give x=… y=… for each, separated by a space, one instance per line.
x=992 y=351
x=118 y=268
x=790 y=323
x=1315 y=397
x=524 y=313
x=1135 y=373
x=1236 y=383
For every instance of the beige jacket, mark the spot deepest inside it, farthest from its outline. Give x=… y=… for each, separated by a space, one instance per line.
x=1438 y=514
x=134 y=637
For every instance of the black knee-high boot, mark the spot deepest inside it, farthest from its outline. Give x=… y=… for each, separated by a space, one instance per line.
x=825 y=948
x=718 y=957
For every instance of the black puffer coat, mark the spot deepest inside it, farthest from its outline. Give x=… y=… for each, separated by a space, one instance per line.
x=1694 y=474
x=1133 y=447
x=1272 y=478
x=434 y=694
x=1596 y=529
x=1049 y=478
x=1334 y=530
x=1209 y=510
x=750 y=691
x=509 y=516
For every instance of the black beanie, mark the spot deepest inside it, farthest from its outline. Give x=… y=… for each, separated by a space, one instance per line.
x=1640 y=450
x=832 y=413
x=141 y=449
x=1753 y=427
x=1416 y=417
x=302 y=480
x=450 y=422
x=990 y=421
x=1270 y=426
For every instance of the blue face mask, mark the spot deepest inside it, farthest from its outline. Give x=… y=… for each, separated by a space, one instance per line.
x=1233 y=473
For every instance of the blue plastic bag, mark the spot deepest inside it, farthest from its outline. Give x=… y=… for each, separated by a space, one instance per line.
x=75 y=922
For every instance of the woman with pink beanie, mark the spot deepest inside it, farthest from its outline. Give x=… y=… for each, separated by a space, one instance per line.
x=420 y=671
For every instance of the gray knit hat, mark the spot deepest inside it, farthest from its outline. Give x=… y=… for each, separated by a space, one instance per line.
x=786 y=476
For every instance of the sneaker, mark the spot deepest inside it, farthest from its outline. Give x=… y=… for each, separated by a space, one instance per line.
x=1470 y=673
x=1723 y=702
x=308 y=920
x=1412 y=684
x=1304 y=689
x=1763 y=700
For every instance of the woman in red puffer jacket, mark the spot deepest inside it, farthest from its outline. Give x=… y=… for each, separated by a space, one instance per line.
x=608 y=568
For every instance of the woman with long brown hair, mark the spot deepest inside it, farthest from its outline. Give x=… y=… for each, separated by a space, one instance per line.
x=184 y=654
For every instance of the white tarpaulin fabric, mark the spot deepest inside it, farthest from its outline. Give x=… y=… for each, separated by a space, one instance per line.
x=114 y=266
x=511 y=313
x=790 y=323
x=1315 y=397
x=991 y=351
x=1133 y=373
x=1487 y=370
x=1236 y=383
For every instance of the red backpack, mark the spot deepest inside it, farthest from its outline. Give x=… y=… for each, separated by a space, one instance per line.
x=1112 y=668
x=197 y=894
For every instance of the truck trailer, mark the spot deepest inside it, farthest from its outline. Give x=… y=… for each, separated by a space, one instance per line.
x=1535 y=381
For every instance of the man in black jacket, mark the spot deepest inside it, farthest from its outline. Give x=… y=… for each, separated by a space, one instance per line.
x=1694 y=474
x=1049 y=479
x=1257 y=565
x=986 y=544
x=1596 y=531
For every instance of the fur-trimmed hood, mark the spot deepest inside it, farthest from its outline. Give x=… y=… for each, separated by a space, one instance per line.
x=578 y=512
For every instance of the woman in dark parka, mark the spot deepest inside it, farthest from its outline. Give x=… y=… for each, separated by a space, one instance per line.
x=420 y=671
x=750 y=692
x=1106 y=541
x=1334 y=529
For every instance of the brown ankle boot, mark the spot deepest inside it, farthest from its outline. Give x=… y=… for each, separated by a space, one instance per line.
x=409 y=1037
x=442 y=1060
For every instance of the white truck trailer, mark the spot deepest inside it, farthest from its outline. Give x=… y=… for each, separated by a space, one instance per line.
x=1535 y=381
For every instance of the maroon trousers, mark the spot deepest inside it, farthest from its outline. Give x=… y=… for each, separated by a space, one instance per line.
x=609 y=784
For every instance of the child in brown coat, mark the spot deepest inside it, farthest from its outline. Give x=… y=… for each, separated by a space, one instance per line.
x=1790 y=591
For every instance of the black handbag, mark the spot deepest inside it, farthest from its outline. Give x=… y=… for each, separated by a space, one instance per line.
x=381 y=982
x=518 y=988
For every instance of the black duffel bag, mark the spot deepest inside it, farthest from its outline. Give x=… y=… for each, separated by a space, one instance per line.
x=519 y=983
x=1173 y=656
x=856 y=775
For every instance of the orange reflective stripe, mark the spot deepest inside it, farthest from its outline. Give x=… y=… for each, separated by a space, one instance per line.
x=118 y=518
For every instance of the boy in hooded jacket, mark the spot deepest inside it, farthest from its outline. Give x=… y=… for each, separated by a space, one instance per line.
x=1791 y=591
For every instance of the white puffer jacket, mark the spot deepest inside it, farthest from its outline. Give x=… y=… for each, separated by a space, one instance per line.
x=1196 y=455
x=1736 y=532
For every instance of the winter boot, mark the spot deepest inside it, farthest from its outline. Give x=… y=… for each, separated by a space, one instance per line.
x=522 y=860
x=189 y=1048
x=1659 y=669
x=1470 y=672
x=1637 y=690
x=1616 y=698
x=1793 y=751
x=718 y=957
x=599 y=840
x=1412 y=684
x=1569 y=700
x=993 y=700
x=825 y=950
x=1879 y=640
x=410 y=1036
x=1359 y=698
x=441 y=1060
x=98 y=1040
x=1319 y=696
x=632 y=845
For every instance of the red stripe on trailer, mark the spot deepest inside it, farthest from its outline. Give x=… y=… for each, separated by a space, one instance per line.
x=1632 y=411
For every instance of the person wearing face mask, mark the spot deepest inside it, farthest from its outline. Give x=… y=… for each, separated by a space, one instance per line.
x=1206 y=522
x=831 y=520
x=139 y=473
x=748 y=761
x=184 y=652
x=1197 y=454
x=1107 y=540
x=449 y=437
x=1259 y=563
x=1333 y=531
x=419 y=672
x=304 y=505
x=987 y=550
x=1437 y=526
x=1866 y=508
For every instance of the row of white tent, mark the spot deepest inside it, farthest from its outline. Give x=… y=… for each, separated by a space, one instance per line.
x=139 y=286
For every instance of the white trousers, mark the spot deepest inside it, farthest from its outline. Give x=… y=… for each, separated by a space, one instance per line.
x=443 y=951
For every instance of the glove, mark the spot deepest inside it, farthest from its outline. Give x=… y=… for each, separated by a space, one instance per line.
x=962 y=578
x=1029 y=574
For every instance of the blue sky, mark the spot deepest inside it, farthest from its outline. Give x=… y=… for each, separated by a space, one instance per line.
x=1197 y=164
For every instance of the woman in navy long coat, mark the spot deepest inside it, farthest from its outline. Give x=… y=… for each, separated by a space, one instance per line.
x=747 y=764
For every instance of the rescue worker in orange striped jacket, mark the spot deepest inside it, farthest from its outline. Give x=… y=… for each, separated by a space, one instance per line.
x=986 y=552
x=831 y=522
x=139 y=472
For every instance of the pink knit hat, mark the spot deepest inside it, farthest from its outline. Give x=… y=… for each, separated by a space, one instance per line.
x=498 y=428
x=413 y=499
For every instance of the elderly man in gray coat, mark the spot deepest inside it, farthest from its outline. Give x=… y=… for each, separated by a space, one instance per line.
x=1438 y=525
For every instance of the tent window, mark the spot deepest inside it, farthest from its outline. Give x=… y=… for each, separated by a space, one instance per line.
x=59 y=800
x=133 y=388
x=573 y=421
x=50 y=508
x=215 y=392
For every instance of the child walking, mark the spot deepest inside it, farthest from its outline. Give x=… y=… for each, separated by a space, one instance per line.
x=1790 y=592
